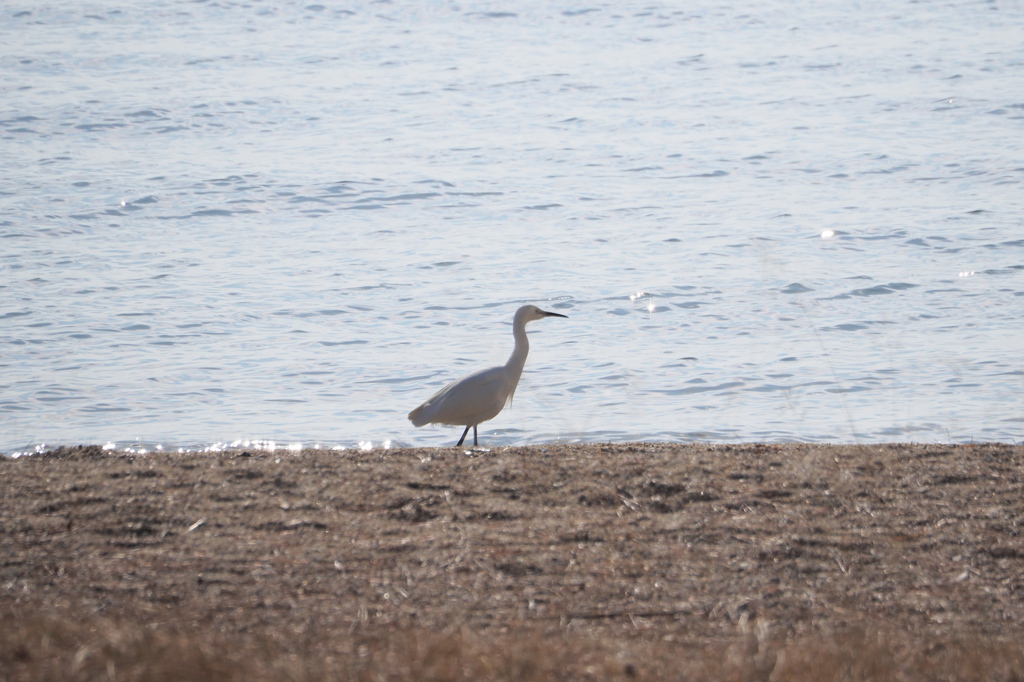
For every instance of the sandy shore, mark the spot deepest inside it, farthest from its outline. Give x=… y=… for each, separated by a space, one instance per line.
x=626 y=545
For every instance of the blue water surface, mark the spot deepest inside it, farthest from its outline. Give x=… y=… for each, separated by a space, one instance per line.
x=225 y=222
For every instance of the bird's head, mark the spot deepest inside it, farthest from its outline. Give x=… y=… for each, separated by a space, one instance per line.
x=529 y=313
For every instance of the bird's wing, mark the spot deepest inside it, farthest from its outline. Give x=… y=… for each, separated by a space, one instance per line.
x=470 y=400
x=422 y=414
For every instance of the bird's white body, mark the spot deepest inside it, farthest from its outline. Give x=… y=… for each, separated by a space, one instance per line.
x=473 y=399
x=480 y=396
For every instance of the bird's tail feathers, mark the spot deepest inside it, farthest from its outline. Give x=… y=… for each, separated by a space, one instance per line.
x=417 y=416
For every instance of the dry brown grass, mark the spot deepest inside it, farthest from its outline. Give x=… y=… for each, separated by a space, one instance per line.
x=627 y=561
x=59 y=648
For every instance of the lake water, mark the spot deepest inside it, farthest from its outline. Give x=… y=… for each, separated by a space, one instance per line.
x=292 y=222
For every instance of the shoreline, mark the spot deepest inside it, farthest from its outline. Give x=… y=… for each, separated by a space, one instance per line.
x=627 y=546
x=266 y=446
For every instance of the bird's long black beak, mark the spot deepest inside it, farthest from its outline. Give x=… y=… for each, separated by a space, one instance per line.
x=547 y=314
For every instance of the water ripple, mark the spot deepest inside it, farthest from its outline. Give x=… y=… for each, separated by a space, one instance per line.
x=306 y=258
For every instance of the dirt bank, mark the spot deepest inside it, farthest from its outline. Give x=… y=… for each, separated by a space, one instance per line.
x=630 y=546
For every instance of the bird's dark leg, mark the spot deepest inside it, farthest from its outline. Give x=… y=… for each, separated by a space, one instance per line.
x=464 y=436
x=474 y=435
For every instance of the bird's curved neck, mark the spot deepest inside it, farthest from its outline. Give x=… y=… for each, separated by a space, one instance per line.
x=518 y=358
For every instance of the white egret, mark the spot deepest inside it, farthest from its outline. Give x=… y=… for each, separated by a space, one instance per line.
x=480 y=396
